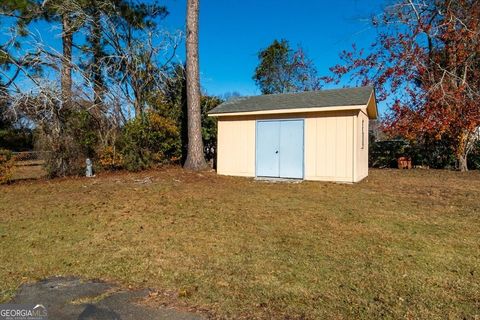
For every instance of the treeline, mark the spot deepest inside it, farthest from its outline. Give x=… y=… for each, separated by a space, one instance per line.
x=428 y=152
x=115 y=92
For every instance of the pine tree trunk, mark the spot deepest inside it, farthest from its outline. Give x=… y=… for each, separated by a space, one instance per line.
x=62 y=162
x=195 y=156
x=66 y=73
x=97 y=55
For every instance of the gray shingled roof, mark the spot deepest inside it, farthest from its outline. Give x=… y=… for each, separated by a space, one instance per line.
x=311 y=99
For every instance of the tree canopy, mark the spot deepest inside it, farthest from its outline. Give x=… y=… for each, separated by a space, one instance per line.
x=282 y=69
x=99 y=96
x=426 y=57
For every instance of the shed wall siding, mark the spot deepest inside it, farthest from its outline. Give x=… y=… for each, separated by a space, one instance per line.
x=329 y=147
x=361 y=171
x=236 y=147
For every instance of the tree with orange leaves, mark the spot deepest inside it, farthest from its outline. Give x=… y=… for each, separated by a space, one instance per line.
x=426 y=58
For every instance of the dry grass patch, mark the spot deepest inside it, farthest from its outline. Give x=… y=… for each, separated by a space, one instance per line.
x=402 y=244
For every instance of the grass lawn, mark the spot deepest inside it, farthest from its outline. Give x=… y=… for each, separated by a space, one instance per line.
x=401 y=244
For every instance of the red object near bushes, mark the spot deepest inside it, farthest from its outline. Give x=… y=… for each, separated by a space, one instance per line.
x=404 y=163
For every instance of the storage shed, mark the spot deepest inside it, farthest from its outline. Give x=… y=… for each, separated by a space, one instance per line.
x=317 y=135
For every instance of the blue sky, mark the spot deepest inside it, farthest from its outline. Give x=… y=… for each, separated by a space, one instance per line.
x=233 y=31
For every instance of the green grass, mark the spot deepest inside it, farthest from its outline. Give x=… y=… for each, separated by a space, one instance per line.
x=401 y=244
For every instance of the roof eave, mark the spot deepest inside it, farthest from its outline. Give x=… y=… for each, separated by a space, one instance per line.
x=372 y=108
x=287 y=111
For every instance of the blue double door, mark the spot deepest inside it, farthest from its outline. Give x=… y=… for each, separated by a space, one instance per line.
x=279 y=148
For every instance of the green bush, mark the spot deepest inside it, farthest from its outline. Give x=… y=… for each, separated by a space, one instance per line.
x=384 y=154
x=81 y=124
x=150 y=140
x=62 y=154
x=16 y=139
x=474 y=158
x=428 y=152
x=209 y=127
x=66 y=149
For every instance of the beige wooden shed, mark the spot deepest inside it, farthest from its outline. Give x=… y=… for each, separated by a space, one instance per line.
x=317 y=135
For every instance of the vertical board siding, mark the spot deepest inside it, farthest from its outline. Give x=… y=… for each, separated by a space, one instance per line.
x=236 y=147
x=329 y=147
x=341 y=169
x=331 y=141
x=362 y=153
